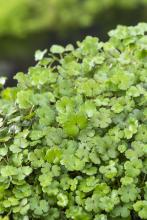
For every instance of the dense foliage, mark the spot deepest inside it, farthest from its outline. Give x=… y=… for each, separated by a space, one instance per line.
x=19 y=17
x=73 y=132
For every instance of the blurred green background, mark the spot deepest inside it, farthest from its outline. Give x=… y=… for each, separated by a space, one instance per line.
x=28 y=25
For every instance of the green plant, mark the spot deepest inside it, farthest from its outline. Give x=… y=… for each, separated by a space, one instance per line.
x=73 y=132
x=21 y=17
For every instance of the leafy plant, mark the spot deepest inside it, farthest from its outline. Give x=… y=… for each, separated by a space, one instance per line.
x=73 y=132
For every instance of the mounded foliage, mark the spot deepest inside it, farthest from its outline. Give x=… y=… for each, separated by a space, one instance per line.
x=73 y=132
x=21 y=17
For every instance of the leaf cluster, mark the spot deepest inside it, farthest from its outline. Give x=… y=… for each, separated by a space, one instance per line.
x=73 y=132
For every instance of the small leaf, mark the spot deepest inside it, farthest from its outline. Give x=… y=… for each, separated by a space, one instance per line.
x=40 y=54
x=57 y=49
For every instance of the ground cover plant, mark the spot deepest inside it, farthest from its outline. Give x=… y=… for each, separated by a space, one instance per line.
x=73 y=132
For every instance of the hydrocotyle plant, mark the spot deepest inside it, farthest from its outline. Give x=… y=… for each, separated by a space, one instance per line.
x=73 y=132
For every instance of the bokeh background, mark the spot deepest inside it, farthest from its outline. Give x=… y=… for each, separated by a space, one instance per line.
x=28 y=25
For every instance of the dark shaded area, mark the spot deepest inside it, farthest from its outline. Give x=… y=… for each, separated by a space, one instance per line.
x=134 y=217
x=18 y=54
